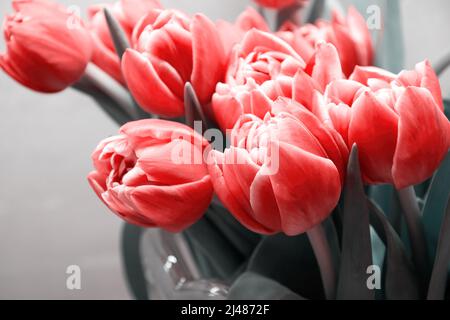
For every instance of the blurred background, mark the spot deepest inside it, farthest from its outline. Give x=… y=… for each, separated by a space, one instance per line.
x=50 y=218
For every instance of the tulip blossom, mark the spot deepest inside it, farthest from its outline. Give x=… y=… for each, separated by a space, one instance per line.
x=128 y=13
x=171 y=49
x=264 y=67
x=350 y=35
x=153 y=174
x=277 y=4
x=282 y=173
x=48 y=48
x=397 y=121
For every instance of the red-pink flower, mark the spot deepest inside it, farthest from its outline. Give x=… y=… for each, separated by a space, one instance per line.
x=277 y=4
x=48 y=48
x=171 y=49
x=153 y=174
x=263 y=67
x=128 y=13
x=397 y=122
x=280 y=174
x=349 y=35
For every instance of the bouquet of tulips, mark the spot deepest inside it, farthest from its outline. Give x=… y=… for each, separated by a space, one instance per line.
x=295 y=167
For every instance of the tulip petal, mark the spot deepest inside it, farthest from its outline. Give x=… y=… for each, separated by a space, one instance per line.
x=176 y=162
x=208 y=58
x=423 y=137
x=363 y=74
x=216 y=161
x=158 y=129
x=147 y=88
x=307 y=189
x=251 y=19
x=263 y=202
x=264 y=42
x=107 y=60
x=361 y=35
x=373 y=127
x=174 y=208
x=343 y=91
x=304 y=87
x=327 y=66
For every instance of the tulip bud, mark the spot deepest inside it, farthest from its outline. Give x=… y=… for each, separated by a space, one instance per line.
x=153 y=174
x=280 y=174
x=48 y=48
x=171 y=49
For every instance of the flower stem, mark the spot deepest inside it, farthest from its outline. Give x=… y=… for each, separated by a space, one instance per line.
x=413 y=218
x=322 y=251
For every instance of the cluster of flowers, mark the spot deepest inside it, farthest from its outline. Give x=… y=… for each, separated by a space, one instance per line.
x=309 y=92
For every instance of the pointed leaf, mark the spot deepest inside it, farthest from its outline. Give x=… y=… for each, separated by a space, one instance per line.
x=193 y=107
x=400 y=280
x=356 y=254
x=435 y=205
x=117 y=34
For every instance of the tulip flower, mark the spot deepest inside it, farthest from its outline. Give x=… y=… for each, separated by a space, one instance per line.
x=171 y=49
x=397 y=121
x=350 y=35
x=128 y=13
x=48 y=48
x=282 y=173
x=153 y=174
x=264 y=67
x=277 y=4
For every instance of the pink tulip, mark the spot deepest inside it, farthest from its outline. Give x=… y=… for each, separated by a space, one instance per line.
x=128 y=13
x=48 y=48
x=263 y=67
x=350 y=36
x=281 y=174
x=171 y=49
x=153 y=174
x=397 y=121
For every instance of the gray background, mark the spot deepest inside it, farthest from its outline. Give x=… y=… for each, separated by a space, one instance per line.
x=49 y=217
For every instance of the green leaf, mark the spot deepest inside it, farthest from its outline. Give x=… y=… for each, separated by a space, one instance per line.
x=118 y=36
x=356 y=254
x=400 y=279
x=289 y=261
x=252 y=286
x=386 y=198
x=435 y=205
x=439 y=276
